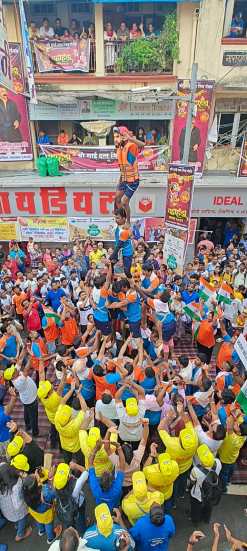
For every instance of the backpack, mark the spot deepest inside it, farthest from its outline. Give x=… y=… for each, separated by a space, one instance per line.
x=212 y=487
x=66 y=507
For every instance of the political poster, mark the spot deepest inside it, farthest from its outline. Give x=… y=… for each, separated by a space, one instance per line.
x=44 y=229
x=90 y=158
x=200 y=123
x=154 y=227
x=57 y=55
x=15 y=138
x=180 y=183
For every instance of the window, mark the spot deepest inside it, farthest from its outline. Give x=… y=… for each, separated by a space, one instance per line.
x=225 y=128
x=78 y=8
x=42 y=9
x=235 y=25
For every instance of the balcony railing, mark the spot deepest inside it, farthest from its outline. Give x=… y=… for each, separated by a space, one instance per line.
x=135 y=56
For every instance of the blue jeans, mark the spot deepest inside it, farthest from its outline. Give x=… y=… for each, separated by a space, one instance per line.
x=226 y=473
x=48 y=528
x=21 y=526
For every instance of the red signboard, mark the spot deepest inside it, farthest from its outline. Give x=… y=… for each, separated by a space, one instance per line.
x=179 y=195
x=242 y=169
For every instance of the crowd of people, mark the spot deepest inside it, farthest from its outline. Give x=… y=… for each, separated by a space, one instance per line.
x=93 y=335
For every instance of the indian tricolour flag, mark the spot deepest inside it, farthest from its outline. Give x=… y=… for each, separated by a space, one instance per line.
x=206 y=291
x=193 y=311
x=225 y=293
x=51 y=314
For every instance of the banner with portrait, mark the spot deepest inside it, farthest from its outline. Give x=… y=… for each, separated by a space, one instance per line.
x=180 y=185
x=66 y=55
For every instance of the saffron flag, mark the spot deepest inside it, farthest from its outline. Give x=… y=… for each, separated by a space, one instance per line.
x=206 y=291
x=225 y=293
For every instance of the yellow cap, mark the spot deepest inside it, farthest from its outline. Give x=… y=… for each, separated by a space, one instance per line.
x=132 y=407
x=43 y=474
x=153 y=475
x=20 y=462
x=61 y=477
x=15 y=446
x=9 y=372
x=188 y=440
x=139 y=485
x=104 y=519
x=93 y=437
x=205 y=456
x=63 y=414
x=44 y=389
x=168 y=467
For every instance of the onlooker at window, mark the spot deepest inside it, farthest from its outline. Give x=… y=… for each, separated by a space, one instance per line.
x=75 y=140
x=141 y=135
x=33 y=31
x=66 y=35
x=63 y=138
x=91 y=31
x=151 y=33
x=237 y=26
x=58 y=29
x=45 y=30
x=74 y=27
x=153 y=136
x=110 y=52
x=43 y=138
x=123 y=33
x=136 y=32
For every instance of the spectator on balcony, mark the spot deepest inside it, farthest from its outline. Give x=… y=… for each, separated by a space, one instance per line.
x=75 y=140
x=33 y=31
x=141 y=135
x=136 y=32
x=91 y=31
x=151 y=33
x=110 y=53
x=43 y=138
x=123 y=33
x=74 y=27
x=63 y=138
x=45 y=30
x=153 y=136
x=237 y=26
x=66 y=35
x=58 y=28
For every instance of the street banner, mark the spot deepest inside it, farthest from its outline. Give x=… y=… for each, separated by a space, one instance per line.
x=27 y=54
x=242 y=167
x=192 y=231
x=5 y=64
x=174 y=249
x=199 y=133
x=69 y=55
x=9 y=229
x=96 y=228
x=93 y=158
x=240 y=347
x=15 y=138
x=180 y=184
x=44 y=229
x=154 y=227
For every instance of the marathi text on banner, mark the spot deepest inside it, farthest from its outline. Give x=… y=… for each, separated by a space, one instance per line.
x=174 y=248
x=44 y=229
x=242 y=168
x=82 y=158
x=9 y=229
x=5 y=63
x=199 y=132
x=70 y=55
x=179 y=195
x=15 y=138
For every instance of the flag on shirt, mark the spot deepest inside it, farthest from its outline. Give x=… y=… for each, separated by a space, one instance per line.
x=206 y=291
x=225 y=293
x=193 y=310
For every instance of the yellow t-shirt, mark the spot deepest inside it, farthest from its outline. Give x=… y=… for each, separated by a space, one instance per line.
x=156 y=481
x=183 y=457
x=230 y=448
x=102 y=462
x=51 y=405
x=134 y=509
x=95 y=256
x=69 y=434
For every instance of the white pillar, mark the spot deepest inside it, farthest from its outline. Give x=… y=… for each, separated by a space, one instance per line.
x=99 y=40
x=235 y=128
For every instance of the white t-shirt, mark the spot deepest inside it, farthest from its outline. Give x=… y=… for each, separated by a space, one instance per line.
x=198 y=476
x=130 y=426
x=203 y=438
x=27 y=389
x=108 y=410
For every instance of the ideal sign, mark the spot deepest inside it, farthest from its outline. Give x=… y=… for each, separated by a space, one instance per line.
x=227 y=200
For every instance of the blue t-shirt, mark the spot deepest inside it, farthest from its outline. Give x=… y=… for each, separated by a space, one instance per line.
x=189 y=297
x=10 y=348
x=95 y=540
x=112 y=496
x=4 y=431
x=54 y=298
x=149 y=384
x=148 y=536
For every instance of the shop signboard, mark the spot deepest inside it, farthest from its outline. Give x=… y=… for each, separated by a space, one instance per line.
x=235 y=59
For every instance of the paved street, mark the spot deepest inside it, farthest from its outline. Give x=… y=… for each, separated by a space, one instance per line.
x=229 y=511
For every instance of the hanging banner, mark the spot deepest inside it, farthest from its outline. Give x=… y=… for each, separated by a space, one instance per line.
x=27 y=54
x=9 y=229
x=44 y=229
x=69 y=55
x=97 y=228
x=192 y=231
x=15 y=138
x=5 y=64
x=199 y=133
x=242 y=167
x=174 y=248
x=180 y=183
x=93 y=158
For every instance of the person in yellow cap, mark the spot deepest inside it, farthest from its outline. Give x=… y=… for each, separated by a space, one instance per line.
x=68 y=425
x=206 y=489
x=70 y=500
x=20 y=462
x=88 y=440
x=138 y=502
x=160 y=472
x=50 y=400
x=105 y=532
x=40 y=508
x=181 y=448
x=24 y=443
x=130 y=417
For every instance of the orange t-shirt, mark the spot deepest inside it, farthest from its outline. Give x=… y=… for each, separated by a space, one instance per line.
x=17 y=301
x=51 y=332
x=224 y=354
x=69 y=331
x=206 y=334
x=35 y=362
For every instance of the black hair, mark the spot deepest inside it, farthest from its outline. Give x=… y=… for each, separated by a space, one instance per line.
x=129 y=367
x=228 y=396
x=183 y=360
x=31 y=492
x=207 y=383
x=106 y=481
x=77 y=342
x=61 y=349
x=8 y=478
x=106 y=398
x=69 y=540
x=120 y=212
x=157 y=515
x=165 y=297
x=128 y=452
x=202 y=357
x=76 y=403
x=219 y=433
x=149 y=372
x=147 y=267
x=125 y=283
x=98 y=370
x=99 y=281
x=243 y=428
x=117 y=287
